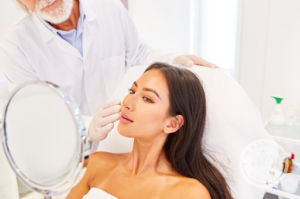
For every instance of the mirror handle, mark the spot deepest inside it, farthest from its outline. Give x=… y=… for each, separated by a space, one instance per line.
x=86 y=145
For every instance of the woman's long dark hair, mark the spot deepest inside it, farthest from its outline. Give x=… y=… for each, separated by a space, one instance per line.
x=184 y=148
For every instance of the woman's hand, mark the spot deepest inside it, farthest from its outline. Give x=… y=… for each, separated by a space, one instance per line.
x=190 y=60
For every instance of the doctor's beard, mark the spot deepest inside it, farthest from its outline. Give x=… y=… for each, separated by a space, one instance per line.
x=57 y=15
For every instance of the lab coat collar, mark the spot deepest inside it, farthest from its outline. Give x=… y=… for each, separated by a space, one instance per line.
x=90 y=15
x=45 y=33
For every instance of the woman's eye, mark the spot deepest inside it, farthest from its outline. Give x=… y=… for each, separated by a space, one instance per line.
x=147 y=99
x=131 y=91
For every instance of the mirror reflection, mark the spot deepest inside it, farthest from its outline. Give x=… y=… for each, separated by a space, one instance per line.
x=41 y=134
x=43 y=137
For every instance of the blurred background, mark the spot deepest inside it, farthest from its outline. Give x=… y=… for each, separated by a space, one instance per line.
x=257 y=41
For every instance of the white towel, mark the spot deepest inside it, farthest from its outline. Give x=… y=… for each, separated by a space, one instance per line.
x=95 y=193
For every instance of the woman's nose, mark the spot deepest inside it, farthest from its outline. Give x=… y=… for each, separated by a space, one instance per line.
x=128 y=103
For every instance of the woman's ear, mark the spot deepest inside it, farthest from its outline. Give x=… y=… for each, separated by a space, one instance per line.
x=174 y=123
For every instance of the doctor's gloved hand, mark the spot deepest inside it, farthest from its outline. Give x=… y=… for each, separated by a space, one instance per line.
x=103 y=121
x=190 y=60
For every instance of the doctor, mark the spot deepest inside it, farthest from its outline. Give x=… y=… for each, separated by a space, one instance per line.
x=83 y=46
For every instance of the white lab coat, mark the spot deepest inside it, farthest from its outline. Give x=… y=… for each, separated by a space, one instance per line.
x=111 y=45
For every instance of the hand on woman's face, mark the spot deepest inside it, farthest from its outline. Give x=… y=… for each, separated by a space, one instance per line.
x=146 y=108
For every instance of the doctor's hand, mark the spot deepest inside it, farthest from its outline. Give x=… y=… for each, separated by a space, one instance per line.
x=103 y=121
x=190 y=60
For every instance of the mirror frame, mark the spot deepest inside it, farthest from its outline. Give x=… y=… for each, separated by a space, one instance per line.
x=83 y=140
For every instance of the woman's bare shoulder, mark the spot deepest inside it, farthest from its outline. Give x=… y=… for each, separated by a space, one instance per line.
x=197 y=189
x=105 y=159
x=99 y=163
x=105 y=156
x=190 y=188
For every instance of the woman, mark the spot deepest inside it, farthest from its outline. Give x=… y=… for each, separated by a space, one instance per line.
x=165 y=112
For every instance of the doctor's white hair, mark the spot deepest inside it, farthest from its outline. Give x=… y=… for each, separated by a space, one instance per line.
x=22 y=6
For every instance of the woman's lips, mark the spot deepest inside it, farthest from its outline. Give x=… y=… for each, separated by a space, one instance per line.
x=125 y=119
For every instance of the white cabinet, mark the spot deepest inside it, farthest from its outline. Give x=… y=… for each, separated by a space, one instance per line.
x=289 y=138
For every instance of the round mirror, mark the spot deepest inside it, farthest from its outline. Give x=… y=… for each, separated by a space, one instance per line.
x=43 y=136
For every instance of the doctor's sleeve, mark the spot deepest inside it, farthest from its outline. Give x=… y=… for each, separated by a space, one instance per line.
x=138 y=52
x=15 y=66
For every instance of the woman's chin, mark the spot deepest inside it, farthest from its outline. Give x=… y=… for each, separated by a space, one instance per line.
x=123 y=130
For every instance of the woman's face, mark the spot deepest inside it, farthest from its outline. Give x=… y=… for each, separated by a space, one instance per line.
x=146 y=107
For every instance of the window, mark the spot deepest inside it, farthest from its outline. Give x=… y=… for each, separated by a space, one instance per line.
x=215 y=32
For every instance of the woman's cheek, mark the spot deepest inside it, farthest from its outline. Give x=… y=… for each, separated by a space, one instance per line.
x=152 y=114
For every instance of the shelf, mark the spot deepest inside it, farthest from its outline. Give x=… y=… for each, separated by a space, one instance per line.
x=281 y=193
x=284 y=133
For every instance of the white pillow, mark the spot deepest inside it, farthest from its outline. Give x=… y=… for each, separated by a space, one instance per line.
x=233 y=122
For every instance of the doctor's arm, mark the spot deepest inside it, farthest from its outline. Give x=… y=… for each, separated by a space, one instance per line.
x=138 y=52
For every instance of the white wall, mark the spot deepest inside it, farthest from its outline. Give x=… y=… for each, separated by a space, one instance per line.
x=253 y=48
x=282 y=72
x=164 y=24
x=9 y=14
x=270 y=61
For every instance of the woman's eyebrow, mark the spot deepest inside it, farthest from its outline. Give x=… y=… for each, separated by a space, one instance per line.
x=148 y=89
x=151 y=90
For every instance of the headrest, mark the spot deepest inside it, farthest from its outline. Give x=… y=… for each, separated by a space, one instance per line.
x=233 y=122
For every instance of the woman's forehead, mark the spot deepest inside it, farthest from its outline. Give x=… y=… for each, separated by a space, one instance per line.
x=153 y=79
